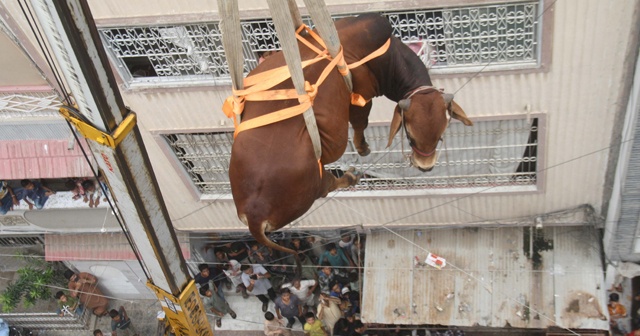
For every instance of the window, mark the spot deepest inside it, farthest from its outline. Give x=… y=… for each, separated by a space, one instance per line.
x=31 y=116
x=468 y=37
x=489 y=154
x=448 y=40
x=261 y=37
x=186 y=52
x=25 y=104
x=497 y=153
x=205 y=158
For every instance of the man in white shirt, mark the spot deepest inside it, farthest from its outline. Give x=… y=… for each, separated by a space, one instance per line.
x=233 y=272
x=303 y=289
x=256 y=279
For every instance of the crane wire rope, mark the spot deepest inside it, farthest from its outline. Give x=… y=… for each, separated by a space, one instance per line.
x=402 y=141
x=379 y=158
x=384 y=225
x=58 y=77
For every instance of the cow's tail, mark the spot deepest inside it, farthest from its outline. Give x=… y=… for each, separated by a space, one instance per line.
x=259 y=233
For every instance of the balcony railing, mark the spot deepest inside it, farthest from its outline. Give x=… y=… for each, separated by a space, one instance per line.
x=47 y=321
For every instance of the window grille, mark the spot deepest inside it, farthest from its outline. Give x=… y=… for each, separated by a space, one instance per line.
x=471 y=36
x=16 y=241
x=22 y=104
x=491 y=153
x=205 y=157
x=186 y=52
x=456 y=39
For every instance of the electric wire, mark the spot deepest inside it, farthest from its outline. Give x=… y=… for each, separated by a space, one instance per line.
x=487 y=286
x=308 y=213
x=48 y=58
x=402 y=141
x=45 y=50
x=495 y=57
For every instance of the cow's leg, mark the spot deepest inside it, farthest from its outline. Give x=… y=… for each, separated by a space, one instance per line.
x=331 y=183
x=359 y=119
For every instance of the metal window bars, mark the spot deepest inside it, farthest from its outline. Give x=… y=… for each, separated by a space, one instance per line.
x=456 y=39
x=490 y=154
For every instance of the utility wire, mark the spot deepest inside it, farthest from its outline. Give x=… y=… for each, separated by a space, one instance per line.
x=35 y=29
x=298 y=221
x=47 y=53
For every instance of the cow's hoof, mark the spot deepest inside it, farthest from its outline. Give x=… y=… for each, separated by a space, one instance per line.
x=364 y=150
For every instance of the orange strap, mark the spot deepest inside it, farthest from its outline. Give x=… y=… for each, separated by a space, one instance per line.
x=306 y=101
x=379 y=52
x=314 y=36
x=270 y=78
x=357 y=99
x=272 y=117
x=257 y=86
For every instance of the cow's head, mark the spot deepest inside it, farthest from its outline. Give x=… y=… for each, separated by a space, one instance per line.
x=425 y=115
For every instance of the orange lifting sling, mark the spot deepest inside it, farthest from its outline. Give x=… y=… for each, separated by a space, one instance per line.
x=257 y=87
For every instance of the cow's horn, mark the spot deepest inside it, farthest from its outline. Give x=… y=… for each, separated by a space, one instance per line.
x=404 y=104
x=448 y=98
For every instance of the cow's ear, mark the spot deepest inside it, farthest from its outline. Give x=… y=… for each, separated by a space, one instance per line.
x=458 y=113
x=396 y=122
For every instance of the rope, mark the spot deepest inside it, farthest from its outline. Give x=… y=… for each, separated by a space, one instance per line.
x=257 y=87
x=35 y=29
x=327 y=30
x=288 y=41
x=232 y=40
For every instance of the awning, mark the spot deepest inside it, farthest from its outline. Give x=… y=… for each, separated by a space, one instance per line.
x=518 y=276
x=35 y=159
x=100 y=246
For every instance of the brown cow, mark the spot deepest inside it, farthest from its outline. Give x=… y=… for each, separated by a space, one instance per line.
x=273 y=172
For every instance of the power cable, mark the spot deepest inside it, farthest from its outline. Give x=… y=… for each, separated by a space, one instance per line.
x=384 y=225
x=46 y=52
x=65 y=288
x=387 y=152
x=496 y=56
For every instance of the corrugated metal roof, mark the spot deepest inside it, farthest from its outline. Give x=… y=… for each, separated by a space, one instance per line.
x=101 y=246
x=33 y=159
x=622 y=234
x=488 y=280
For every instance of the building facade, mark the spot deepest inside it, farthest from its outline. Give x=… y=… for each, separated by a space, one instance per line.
x=547 y=84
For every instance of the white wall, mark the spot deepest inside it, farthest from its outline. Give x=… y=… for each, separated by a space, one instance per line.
x=118 y=279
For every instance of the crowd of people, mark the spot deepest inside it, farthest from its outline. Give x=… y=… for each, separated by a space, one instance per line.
x=324 y=298
x=35 y=193
x=32 y=192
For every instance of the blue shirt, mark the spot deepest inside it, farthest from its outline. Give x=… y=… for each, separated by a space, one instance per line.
x=338 y=260
x=34 y=194
x=122 y=324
